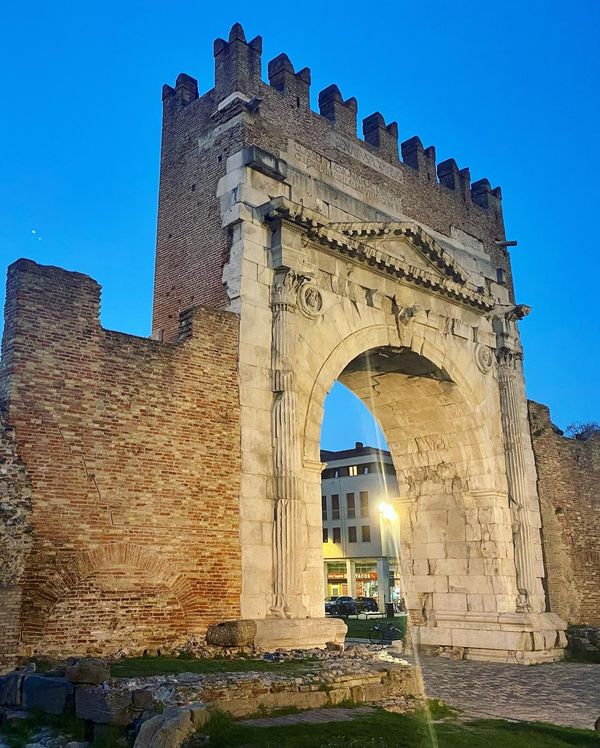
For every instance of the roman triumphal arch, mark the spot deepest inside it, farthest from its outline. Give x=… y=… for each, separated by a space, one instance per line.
x=386 y=308
x=180 y=476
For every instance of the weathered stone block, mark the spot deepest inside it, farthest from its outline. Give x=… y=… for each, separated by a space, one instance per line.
x=232 y=633
x=50 y=695
x=10 y=689
x=88 y=670
x=142 y=699
x=166 y=730
x=104 y=705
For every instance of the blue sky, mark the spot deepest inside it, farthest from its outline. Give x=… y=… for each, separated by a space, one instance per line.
x=509 y=89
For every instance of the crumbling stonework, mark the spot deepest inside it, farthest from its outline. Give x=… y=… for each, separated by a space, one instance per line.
x=15 y=540
x=132 y=448
x=568 y=484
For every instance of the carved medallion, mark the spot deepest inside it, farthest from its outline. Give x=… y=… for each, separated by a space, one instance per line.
x=310 y=300
x=483 y=358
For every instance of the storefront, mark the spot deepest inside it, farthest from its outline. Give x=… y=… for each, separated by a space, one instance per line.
x=336 y=578
x=366 y=579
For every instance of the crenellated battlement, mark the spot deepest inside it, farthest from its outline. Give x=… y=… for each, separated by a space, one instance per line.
x=283 y=78
x=341 y=168
x=238 y=76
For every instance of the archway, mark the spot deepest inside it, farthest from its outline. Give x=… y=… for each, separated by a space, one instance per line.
x=454 y=530
x=359 y=493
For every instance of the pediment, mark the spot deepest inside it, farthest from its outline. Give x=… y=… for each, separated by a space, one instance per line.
x=409 y=242
x=402 y=249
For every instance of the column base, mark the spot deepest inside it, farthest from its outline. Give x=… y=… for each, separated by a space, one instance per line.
x=278 y=633
x=523 y=638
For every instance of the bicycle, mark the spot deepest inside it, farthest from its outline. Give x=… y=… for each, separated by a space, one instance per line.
x=384 y=633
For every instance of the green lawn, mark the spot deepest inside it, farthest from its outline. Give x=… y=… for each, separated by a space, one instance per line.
x=141 y=666
x=384 y=729
x=359 y=628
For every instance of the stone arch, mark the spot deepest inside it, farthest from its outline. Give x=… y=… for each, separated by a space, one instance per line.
x=105 y=557
x=378 y=336
x=457 y=536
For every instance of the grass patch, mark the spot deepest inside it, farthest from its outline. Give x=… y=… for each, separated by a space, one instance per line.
x=264 y=711
x=590 y=658
x=359 y=628
x=439 y=710
x=18 y=733
x=134 y=667
x=384 y=729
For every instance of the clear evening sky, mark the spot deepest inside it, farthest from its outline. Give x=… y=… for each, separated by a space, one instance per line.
x=508 y=88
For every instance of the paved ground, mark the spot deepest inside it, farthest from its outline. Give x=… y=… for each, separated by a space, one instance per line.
x=314 y=715
x=561 y=693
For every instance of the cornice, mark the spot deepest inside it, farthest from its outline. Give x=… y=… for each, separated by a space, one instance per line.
x=352 y=241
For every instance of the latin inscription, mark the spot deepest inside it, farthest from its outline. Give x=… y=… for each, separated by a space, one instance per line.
x=369 y=190
x=354 y=150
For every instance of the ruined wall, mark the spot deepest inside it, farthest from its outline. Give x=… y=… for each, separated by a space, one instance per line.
x=568 y=484
x=132 y=447
x=15 y=540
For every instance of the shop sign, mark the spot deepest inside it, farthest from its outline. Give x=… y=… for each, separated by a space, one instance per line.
x=369 y=576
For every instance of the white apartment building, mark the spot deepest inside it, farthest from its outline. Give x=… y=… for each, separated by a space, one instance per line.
x=360 y=527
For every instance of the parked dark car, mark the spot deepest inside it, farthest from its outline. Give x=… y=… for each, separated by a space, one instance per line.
x=343 y=605
x=366 y=605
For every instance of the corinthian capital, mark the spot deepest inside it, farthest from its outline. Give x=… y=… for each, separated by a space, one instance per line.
x=507 y=358
x=285 y=289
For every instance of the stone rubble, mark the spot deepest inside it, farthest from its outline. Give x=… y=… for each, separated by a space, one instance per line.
x=176 y=703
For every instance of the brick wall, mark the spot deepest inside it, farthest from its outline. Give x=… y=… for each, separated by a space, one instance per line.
x=191 y=246
x=568 y=484
x=15 y=540
x=132 y=448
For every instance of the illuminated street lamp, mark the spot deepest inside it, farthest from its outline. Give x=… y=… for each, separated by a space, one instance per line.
x=387 y=511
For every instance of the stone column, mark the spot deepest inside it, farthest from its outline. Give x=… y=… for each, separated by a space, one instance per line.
x=520 y=471
x=524 y=535
x=287 y=587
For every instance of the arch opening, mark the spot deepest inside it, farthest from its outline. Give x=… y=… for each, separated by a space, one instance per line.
x=432 y=476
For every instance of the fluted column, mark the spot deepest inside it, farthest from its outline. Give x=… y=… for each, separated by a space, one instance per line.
x=525 y=536
x=286 y=450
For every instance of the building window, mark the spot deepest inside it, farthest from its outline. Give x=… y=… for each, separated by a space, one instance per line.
x=366 y=534
x=353 y=470
x=366 y=469
x=364 y=503
x=335 y=506
x=325 y=535
x=350 y=508
x=324 y=506
x=352 y=534
x=337 y=535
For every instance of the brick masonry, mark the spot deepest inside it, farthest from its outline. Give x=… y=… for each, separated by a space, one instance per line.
x=15 y=539
x=568 y=479
x=132 y=449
